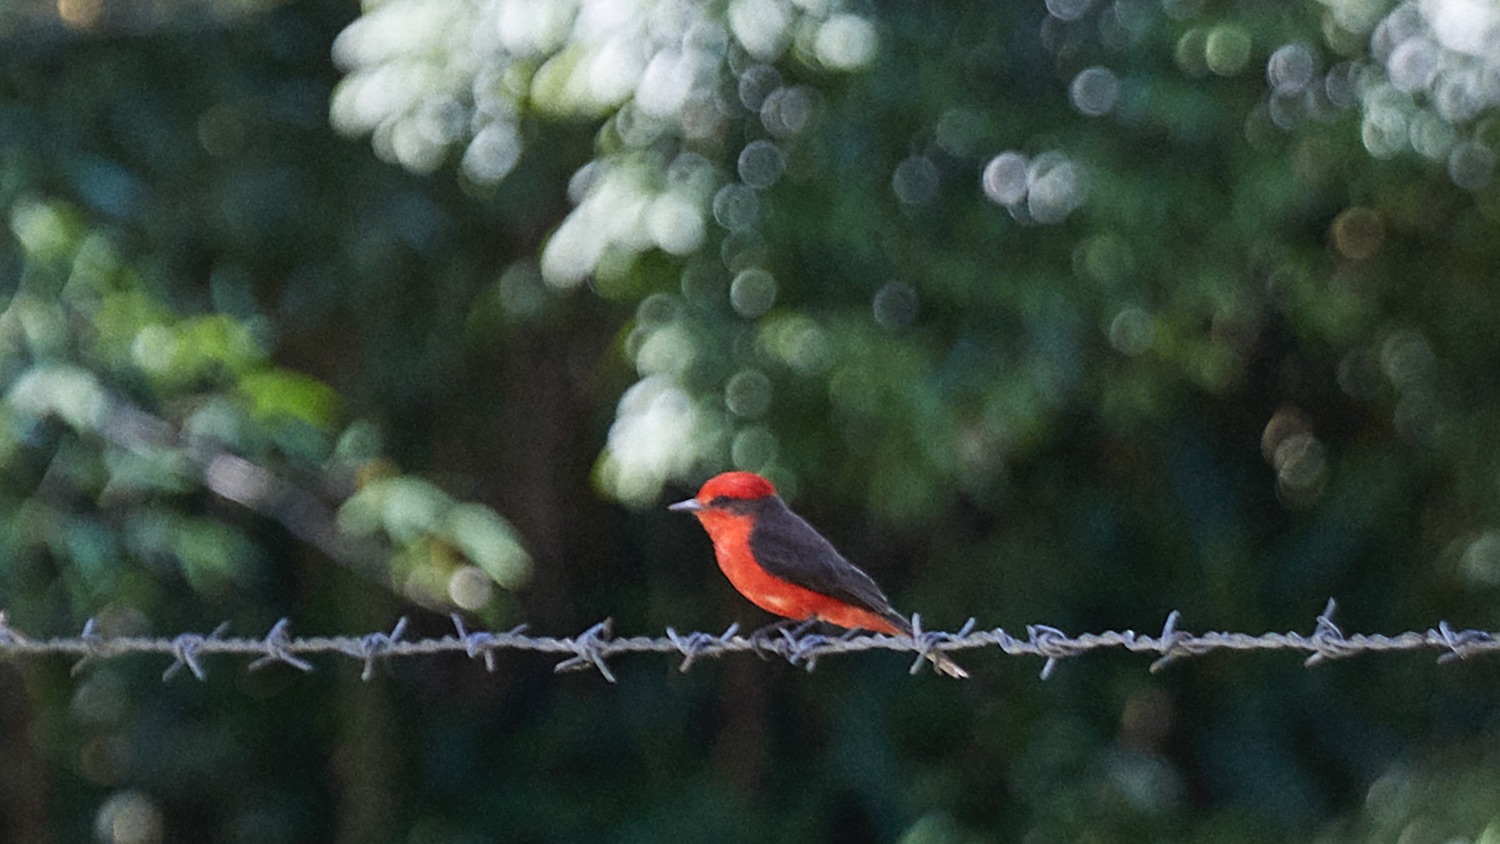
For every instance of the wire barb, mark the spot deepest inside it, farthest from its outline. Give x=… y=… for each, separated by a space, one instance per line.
x=1171 y=643
x=373 y=646
x=804 y=648
x=928 y=642
x=278 y=648
x=1052 y=644
x=697 y=643
x=9 y=635
x=92 y=645
x=588 y=648
x=186 y=647
x=1328 y=639
x=477 y=644
x=1461 y=643
x=923 y=643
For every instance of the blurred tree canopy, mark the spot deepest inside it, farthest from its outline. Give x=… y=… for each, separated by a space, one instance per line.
x=1070 y=312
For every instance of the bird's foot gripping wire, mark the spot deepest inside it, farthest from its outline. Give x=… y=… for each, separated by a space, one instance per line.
x=779 y=637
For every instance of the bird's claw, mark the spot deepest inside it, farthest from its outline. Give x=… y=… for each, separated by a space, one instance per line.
x=773 y=638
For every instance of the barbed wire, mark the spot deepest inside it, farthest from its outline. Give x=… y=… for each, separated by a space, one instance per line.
x=591 y=649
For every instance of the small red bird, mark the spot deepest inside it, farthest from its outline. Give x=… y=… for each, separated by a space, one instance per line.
x=783 y=565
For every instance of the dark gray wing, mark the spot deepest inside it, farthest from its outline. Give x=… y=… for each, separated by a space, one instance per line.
x=789 y=548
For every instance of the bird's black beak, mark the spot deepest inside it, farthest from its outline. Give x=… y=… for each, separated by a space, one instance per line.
x=689 y=506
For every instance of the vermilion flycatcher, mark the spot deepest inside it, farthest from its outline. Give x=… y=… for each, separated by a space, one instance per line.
x=784 y=566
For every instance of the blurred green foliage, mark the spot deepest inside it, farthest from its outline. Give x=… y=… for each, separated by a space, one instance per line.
x=1071 y=312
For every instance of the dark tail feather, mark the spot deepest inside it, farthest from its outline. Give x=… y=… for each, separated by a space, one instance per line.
x=941 y=663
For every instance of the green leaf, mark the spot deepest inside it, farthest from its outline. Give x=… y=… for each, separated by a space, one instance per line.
x=490 y=542
x=278 y=393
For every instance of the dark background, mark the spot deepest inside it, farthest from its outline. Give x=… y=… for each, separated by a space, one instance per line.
x=477 y=290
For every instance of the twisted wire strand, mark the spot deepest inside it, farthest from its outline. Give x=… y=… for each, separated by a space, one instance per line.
x=593 y=648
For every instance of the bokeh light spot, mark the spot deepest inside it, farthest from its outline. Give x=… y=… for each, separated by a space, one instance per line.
x=1383 y=132
x=1340 y=84
x=788 y=111
x=128 y=817
x=753 y=449
x=1431 y=135
x=752 y=292
x=915 y=180
x=1094 y=91
x=1291 y=68
x=799 y=342
x=760 y=26
x=1068 y=10
x=1481 y=559
x=1297 y=455
x=1005 y=177
x=1190 y=51
x=470 y=588
x=1132 y=331
x=1413 y=65
x=675 y=224
x=744 y=249
x=894 y=305
x=1055 y=188
x=1285 y=423
x=1105 y=258
x=493 y=153
x=958 y=131
x=1407 y=359
x=1300 y=462
x=756 y=83
x=1358 y=233
x=736 y=206
x=657 y=310
x=748 y=393
x=1227 y=50
x=665 y=85
x=79 y=14
x=666 y=350
x=101 y=700
x=653 y=438
x=845 y=42
x=1471 y=165
x=154 y=349
x=761 y=163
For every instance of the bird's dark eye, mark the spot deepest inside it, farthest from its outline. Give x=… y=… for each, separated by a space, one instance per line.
x=719 y=501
